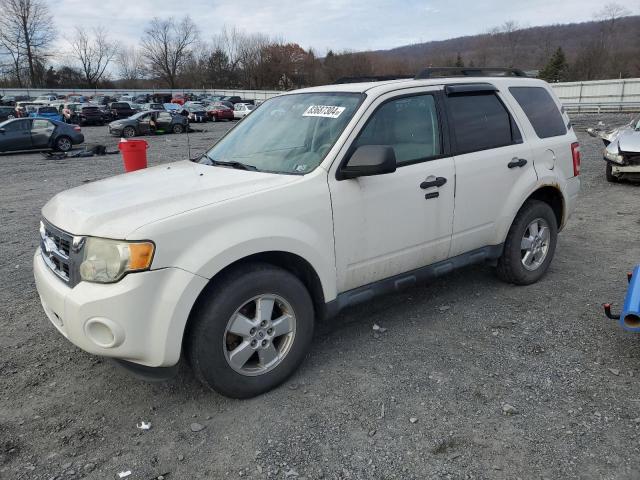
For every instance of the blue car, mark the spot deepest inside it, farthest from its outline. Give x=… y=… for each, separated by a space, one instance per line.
x=50 y=113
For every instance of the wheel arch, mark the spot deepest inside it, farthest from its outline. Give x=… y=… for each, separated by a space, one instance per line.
x=553 y=197
x=295 y=264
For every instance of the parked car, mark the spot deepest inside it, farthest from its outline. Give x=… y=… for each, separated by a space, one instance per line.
x=23 y=109
x=179 y=99
x=233 y=99
x=151 y=106
x=46 y=99
x=219 y=112
x=101 y=99
x=144 y=123
x=241 y=110
x=121 y=109
x=38 y=134
x=225 y=103
x=46 y=111
x=172 y=108
x=85 y=114
x=7 y=112
x=622 y=150
x=319 y=200
x=195 y=112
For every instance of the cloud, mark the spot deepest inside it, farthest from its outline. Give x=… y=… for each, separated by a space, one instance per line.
x=323 y=24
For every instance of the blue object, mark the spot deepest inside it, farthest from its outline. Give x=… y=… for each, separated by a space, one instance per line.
x=630 y=316
x=48 y=116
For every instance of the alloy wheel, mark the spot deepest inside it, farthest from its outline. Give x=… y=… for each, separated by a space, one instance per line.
x=534 y=245
x=259 y=335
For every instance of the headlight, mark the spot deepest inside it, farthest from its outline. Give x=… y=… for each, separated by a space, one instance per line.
x=108 y=261
x=613 y=157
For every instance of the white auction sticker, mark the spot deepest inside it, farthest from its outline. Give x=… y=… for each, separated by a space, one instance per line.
x=327 y=111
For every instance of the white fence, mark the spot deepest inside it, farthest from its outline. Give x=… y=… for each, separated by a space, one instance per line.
x=608 y=93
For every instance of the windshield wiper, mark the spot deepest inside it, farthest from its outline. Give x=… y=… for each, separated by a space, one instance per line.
x=232 y=164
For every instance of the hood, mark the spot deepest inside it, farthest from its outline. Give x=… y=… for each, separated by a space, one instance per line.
x=629 y=141
x=116 y=206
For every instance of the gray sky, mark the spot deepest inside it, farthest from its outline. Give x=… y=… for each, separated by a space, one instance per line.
x=323 y=24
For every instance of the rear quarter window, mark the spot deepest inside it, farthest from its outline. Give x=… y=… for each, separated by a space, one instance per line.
x=541 y=110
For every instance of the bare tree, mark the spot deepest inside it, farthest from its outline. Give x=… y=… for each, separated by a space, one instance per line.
x=130 y=64
x=167 y=45
x=611 y=13
x=27 y=30
x=93 y=54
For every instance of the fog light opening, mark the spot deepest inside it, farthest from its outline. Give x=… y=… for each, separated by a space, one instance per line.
x=101 y=334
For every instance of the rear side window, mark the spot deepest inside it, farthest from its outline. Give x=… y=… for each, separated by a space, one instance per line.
x=409 y=125
x=541 y=111
x=481 y=122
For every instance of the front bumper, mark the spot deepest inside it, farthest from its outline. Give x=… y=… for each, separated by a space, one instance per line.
x=618 y=169
x=140 y=319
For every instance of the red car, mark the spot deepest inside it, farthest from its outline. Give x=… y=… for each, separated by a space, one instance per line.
x=179 y=99
x=219 y=112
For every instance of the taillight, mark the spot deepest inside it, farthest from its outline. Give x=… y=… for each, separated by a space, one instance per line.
x=76 y=128
x=575 y=154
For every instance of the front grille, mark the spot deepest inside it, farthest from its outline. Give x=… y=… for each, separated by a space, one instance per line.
x=56 y=250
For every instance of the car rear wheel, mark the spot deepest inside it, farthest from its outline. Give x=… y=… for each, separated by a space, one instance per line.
x=251 y=330
x=128 y=132
x=530 y=244
x=178 y=128
x=63 y=144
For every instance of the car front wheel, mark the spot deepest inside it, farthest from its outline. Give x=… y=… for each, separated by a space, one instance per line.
x=128 y=132
x=251 y=330
x=530 y=244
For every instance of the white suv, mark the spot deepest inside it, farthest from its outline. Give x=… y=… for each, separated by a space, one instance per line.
x=320 y=199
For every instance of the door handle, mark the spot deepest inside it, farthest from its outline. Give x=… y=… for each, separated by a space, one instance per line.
x=517 y=162
x=438 y=182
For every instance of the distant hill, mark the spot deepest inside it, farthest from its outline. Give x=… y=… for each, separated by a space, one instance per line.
x=598 y=49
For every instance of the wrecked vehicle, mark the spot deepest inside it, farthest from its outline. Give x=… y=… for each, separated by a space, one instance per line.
x=622 y=150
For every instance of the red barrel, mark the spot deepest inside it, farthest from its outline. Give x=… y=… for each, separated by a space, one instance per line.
x=134 y=154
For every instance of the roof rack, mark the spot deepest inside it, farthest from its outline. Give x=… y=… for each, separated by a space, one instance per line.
x=370 y=78
x=437 y=72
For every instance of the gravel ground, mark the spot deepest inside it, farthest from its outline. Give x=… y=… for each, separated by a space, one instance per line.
x=472 y=378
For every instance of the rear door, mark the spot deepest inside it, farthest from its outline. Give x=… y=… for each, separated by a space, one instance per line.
x=41 y=131
x=164 y=121
x=16 y=135
x=493 y=165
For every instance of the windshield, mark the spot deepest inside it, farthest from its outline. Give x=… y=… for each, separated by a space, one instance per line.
x=287 y=134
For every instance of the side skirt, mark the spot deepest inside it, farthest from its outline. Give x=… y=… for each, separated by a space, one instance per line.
x=408 y=279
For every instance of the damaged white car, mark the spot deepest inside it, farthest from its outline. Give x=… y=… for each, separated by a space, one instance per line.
x=622 y=150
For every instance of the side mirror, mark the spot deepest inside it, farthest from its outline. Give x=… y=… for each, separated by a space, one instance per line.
x=2 y=130
x=369 y=160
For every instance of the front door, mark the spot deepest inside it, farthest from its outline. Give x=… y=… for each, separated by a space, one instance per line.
x=389 y=224
x=16 y=135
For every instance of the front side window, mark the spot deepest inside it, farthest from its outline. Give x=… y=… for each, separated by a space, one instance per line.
x=481 y=122
x=16 y=125
x=409 y=125
x=287 y=134
x=541 y=111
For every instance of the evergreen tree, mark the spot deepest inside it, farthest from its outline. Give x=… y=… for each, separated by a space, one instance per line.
x=557 y=69
x=459 y=62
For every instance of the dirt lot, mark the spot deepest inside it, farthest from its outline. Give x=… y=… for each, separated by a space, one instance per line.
x=424 y=399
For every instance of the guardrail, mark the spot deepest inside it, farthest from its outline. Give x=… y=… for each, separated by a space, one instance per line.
x=602 y=107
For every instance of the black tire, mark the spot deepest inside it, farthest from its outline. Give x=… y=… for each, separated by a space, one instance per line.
x=609 y=174
x=178 y=128
x=205 y=347
x=63 y=143
x=510 y=266
x=128 y=132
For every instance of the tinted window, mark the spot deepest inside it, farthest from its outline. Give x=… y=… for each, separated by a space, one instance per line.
x=481 y=122
x=164 y=117
x=15 y=126
x=541 y=111
x=409 y=125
